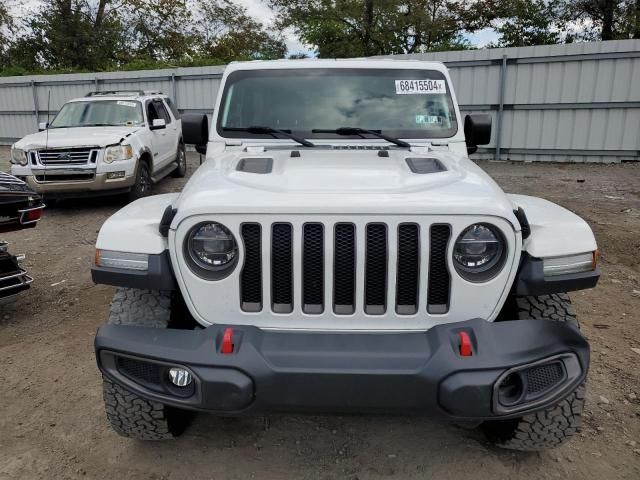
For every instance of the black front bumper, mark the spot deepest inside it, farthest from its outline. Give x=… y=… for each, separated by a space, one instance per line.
x=414 y=372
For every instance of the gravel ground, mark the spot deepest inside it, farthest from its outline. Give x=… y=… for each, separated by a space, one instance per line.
x=52 y=423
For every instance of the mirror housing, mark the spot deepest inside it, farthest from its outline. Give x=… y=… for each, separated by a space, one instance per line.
x=43 y=126
x=158 y=124
x=477 y=131
x=195 y=130
x=201 y=149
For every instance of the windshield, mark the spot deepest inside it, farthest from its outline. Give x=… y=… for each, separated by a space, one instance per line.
x=408 y=103
x=98 y=113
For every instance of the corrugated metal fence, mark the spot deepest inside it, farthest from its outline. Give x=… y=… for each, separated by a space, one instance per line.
x=576 y=102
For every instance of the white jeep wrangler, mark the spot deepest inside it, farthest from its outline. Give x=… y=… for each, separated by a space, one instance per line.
x=339 y=252
x=116 y=142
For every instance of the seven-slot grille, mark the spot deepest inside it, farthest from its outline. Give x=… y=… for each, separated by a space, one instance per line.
x=414 y=246
x=68 y=156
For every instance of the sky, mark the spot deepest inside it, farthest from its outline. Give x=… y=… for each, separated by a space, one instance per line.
x=260 y=11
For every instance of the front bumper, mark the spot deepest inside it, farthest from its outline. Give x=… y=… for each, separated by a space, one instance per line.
x=409 y=372
x=87 y=183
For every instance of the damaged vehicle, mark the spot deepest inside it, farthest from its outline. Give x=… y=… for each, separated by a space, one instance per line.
x=20 y=208
x=106 y=143
x=338 y=252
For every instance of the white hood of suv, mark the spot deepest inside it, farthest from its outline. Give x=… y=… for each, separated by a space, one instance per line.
x=75 y=137
x=325 y=181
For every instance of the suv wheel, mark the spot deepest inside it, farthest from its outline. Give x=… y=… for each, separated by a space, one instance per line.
x=142 y=186
x=551 y=427
x=129 y=414
x=181 y=159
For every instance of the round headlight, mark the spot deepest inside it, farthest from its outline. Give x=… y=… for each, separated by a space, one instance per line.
x=479 y=252
x=211 y=247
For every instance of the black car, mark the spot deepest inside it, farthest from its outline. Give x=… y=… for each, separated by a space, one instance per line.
x=20 y=207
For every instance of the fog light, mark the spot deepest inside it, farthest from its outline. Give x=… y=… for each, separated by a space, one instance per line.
x=180 y=377
x=114 y=175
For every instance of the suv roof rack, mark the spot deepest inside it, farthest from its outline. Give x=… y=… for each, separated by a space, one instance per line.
x=132 y=93
x=152 y=92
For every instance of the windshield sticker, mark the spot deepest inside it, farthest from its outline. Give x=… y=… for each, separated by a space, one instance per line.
x=428 y=119
x=127 y=104
x=420 y=87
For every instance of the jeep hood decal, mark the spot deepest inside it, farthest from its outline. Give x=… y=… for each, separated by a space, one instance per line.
x=346 y=182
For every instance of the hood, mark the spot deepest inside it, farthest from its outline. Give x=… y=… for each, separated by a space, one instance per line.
x=328 y=181
x=75 y=137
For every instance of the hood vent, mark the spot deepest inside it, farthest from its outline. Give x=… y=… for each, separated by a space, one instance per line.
x=425 y=165
x=255 y=165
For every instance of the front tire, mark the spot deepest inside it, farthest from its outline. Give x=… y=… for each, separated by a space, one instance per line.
x=142 y=186
x=555 y=425
x=181 y=159
x=129 y=414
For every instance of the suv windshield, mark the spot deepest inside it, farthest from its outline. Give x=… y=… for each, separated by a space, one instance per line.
x=99 y=113
x=409 y=103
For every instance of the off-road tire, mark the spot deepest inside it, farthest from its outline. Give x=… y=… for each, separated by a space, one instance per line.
x=143 y=183
x=129 y=414
x=555 y=425
x=181 y=158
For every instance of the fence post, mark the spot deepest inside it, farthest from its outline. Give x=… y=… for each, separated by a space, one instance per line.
x=175 y=89
x=36 y=109
x=503 y=78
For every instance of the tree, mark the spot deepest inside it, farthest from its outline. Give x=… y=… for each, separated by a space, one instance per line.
x=6 y=31
x=227 y=32
x=70 y=34
x=528 y=22
x=160 y=29
x=605 y=19
x=343 y=28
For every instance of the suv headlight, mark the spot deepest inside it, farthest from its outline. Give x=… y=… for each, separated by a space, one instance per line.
x=18 y=156
x=479 y=252
x=118 y=152
x=211 y=250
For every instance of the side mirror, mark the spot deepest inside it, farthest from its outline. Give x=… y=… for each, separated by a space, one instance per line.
x=477 y=131
x=201 y=149
x=158 y=124
x=195 y=130
x=43 y=126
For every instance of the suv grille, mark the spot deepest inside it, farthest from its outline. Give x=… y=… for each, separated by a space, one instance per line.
x=68 y=156
x=341 y=265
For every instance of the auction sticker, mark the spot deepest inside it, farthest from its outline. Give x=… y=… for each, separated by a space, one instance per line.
x=420 y=87
x=127 y=104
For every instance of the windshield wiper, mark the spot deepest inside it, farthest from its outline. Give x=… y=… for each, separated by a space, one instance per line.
x=258 y=129
x=363 y=131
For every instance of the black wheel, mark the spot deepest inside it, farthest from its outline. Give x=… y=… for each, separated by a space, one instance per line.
x=551 y=427
x=129 y=414
x=142 y=186
x=181 y=159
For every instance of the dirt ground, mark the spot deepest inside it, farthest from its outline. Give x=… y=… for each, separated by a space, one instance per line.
x=52 y=423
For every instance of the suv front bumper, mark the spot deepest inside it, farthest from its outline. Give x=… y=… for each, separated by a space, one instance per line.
x=87 y=183
x=516 y=367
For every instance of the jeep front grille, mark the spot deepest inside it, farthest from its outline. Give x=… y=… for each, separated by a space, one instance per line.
x=349 y=246
x=438 y=290
x=68 y=156
x=313 y=268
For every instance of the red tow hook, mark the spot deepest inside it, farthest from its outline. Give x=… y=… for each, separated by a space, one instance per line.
x=465 y=344
x=227 y=342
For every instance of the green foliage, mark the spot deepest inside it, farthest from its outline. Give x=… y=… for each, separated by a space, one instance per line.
x=352 y=28
x=226 y=31
x=105 y=35
x=529 y=22
x=605 y=19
